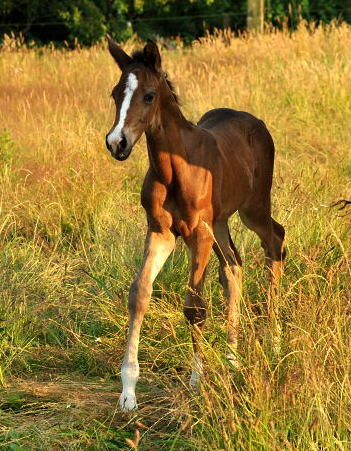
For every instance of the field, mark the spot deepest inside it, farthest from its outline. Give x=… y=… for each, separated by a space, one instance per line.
x=72 y=232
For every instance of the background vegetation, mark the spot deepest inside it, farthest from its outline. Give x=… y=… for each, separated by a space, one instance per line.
x=87 y=21
x=71 y=240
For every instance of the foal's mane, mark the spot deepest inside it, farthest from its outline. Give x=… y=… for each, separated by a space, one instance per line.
x=139 y=57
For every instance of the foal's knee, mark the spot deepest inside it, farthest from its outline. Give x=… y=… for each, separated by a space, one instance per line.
x=139 y=295
x=273 y=244
x=279 y=233
x=195 y=310
x=278 y=229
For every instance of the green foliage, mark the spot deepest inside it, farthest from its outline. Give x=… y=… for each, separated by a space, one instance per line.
x=87 y=21
x=84 y=20
x=292 y=11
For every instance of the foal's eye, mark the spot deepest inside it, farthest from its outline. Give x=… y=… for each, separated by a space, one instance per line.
x=148 y=98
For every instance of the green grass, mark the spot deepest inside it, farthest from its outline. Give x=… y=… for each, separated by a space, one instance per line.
x=72 y=232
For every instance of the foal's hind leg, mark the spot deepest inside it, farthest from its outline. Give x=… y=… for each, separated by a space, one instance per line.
x=272 y=235
x=200 y=245
x=230 y=276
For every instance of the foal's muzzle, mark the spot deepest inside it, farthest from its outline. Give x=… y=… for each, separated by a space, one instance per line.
x=121 y=150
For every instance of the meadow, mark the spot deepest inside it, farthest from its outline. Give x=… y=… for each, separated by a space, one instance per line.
x=72 y=232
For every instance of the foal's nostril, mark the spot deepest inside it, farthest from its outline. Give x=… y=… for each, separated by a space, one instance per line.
x=107 y=144
x=123 y=144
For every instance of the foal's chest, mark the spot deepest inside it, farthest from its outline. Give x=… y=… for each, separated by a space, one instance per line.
x=178 y=207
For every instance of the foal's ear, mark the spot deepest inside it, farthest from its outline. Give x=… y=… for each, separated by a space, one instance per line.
x=152 y=55
x=119 y=55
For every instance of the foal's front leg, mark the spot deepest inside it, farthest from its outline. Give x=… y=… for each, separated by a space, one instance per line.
x=158 y=246
x=200 y=245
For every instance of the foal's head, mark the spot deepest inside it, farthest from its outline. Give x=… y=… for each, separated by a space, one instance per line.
x=136 y=96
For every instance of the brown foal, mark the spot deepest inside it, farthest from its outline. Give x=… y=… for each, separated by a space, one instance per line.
x=199 y=175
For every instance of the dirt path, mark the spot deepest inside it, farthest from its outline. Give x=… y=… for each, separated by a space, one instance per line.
x=79 y=414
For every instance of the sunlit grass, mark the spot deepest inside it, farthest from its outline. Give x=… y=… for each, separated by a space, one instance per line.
x=72 y=232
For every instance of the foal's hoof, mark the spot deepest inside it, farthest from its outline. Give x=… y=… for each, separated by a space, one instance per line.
x=277 y=341
x=194 y=382
x=127 y=402
x=277 y=346
x=234 y=360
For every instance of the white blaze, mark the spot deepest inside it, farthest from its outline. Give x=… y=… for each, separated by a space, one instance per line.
x=116 y=135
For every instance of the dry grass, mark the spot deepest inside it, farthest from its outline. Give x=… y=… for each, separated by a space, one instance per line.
x=72 y=233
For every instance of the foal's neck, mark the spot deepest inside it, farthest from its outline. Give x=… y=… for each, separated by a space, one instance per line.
x=166 y=138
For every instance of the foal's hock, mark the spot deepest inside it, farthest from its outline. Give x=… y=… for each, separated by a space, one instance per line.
x=199 y=175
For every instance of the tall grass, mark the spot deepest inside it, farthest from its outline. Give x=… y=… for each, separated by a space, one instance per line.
x=72 y=232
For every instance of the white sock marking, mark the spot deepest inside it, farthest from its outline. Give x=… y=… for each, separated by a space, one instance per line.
x=116 y=135
x=129 y=374
x=197 y=372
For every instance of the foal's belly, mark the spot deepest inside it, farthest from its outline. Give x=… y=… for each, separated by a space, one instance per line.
x=234 y=187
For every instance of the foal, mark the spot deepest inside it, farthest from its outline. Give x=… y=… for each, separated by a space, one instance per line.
x=199 y=175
